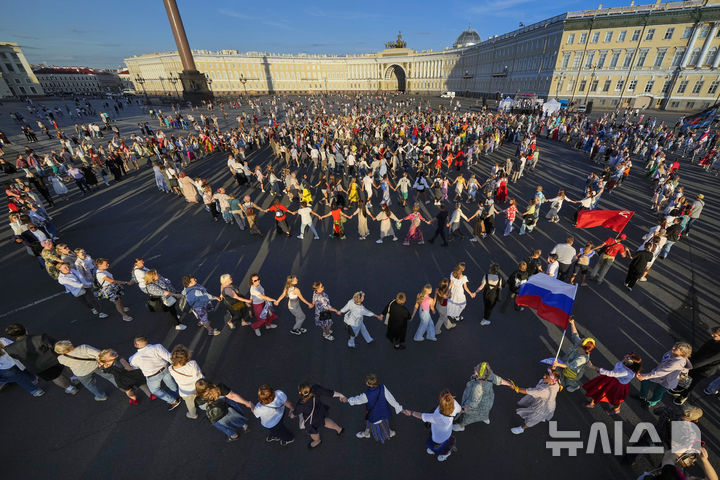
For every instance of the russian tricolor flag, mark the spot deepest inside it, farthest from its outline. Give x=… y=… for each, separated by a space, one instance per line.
x=551 y=298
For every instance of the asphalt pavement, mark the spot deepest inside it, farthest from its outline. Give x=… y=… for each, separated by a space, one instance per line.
x=59 y=436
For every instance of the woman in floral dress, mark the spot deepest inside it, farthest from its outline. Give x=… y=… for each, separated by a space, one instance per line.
x=323 y=309
x=415 y=233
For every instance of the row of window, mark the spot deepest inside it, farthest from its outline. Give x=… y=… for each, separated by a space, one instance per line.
x=632 y=86
x=635 y=36
x=600 y=59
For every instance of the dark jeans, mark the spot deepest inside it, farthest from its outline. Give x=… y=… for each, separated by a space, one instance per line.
x=280 y=431
x=564 y=271
x=489 y=305
x=89 y=300
x=82 y=185
x=21 y=377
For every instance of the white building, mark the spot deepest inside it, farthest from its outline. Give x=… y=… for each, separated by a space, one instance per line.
x=16 y=77
x=73 y=80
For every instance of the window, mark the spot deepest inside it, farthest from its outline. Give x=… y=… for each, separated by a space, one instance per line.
x=677 y=57
x=571 y=84
x=632 y=85
x=695 y=56
x=669 y=33
x=660 y=57
x=713 y=87
x=628 y=58
x=608 y=37
x=9 y=67
x=583 y=38
x=614 y=59
x=622 y=35
x=690 y=104
x=582 y=85
x=687 y=32
x=589 y=60
x=576 y=60
x=620 y=84
x=635 y=35
x=595 y=37
x=704 y=31
x=649 y=86
x=571 y=39
x=606 y=86
x=601 y=60
x=593 y=85
x=666 y=87
x=642 y=55
x=682 y=87
x=674 y=104
x=710 y=56
x=698 y=86
x=565 y=60
x=650 y=34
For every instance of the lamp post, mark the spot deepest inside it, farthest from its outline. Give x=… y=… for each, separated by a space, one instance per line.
x=141 y=81
x=243 y=81
x=174 y=80
x=589 y=86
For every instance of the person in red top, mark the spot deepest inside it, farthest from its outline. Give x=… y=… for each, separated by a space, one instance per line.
x=510 y=214
x=612 y=247
x=280 y=212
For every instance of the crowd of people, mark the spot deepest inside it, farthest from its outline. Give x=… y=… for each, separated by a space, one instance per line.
x=370 y=158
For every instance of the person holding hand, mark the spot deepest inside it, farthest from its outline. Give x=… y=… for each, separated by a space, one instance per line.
x=312 y=412
x=292 y=292
x=354 y=312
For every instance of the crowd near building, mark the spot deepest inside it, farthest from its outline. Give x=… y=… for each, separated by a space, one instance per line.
x=662 y=55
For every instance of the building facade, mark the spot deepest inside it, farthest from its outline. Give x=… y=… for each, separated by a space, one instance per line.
x=661 y=55
x=16 y=77
x=68 y=80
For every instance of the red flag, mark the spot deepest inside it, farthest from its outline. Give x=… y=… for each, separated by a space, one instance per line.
x=612 y=219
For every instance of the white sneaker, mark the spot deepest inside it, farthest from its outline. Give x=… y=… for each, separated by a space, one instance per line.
x=458 y=428
x=94 y=311
x=442 y=458
x=485 y=322
x=127 y=318
x=517 y=430
x=258 y=332
x=644 y=279
x=473 y=239
x=378 y=241
x=452 y=325
x=271 y=326
x=300 y=237
x=395 y=239
x=316 y=238
x=180 y=327
x=363 y=434
x=126 y=309
x=71 y=390
x=486 y=421
x=430 y=452
x=102 y=315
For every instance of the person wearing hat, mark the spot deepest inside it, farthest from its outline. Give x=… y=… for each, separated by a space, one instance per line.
x=538 y=404
x=574 y=362
x=697 y=207
x=608 y=252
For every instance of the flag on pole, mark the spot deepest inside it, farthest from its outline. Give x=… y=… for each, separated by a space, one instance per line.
x=612 y=219
x=551 y=298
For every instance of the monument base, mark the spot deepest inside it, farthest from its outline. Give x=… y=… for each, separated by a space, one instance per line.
x=195 y=87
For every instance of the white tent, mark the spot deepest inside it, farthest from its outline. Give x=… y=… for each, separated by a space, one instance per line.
x=506 y=105
x=550 y=107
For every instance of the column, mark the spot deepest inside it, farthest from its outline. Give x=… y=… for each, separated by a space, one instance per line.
x=706 y=46
x=691 y=45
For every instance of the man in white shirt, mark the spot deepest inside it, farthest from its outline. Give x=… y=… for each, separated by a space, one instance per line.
x=80 y=288
x=565 y=254
x=236 y=170
x=367 y=186
x=153 y=361
x=306 y=214
x=552 y=267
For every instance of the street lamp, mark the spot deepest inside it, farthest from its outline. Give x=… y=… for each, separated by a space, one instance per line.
x=141 y=81
x=243 y=80
x=590 y=85
x=174 y=80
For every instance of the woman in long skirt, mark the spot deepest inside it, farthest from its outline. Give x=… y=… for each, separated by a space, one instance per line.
x=458 y=288
x=415 y=233
x=362 y=215
x=613 y=386
x=386 y=217
x=538 y=404
x=160 y=179
x=292 y=292
x=479 y=396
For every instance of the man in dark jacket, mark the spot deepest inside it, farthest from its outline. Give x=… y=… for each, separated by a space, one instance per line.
x=705 y=361
x=37 y=354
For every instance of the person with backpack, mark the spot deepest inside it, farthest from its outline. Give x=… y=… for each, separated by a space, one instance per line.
x=491 y=286
x=222 y=408
x=673 y=234
x=38 y=356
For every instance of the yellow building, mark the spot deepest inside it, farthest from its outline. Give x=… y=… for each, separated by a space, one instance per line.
x=661 y=55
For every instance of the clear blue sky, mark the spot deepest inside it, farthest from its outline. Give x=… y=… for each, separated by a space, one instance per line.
x=103 y=33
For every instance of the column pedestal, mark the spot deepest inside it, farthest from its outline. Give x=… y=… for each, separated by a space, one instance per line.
x=195 y=87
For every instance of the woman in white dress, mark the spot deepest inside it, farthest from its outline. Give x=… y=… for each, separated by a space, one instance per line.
x=58 y=186
x=538 y=404
x=385 y=217
x=458 y=286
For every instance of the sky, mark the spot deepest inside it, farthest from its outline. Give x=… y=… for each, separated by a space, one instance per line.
x=102 y=34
